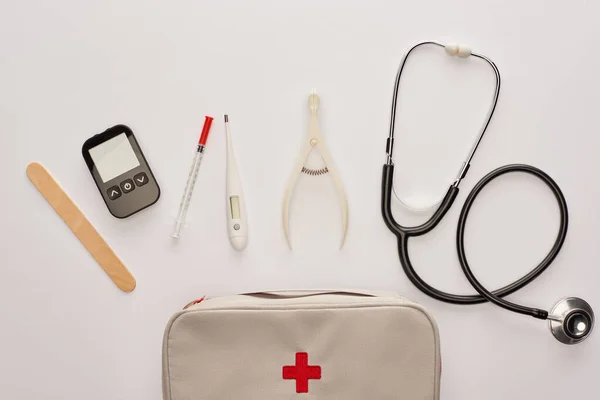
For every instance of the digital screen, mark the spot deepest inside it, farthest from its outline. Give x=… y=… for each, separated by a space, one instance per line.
x=114 y=157
x=235 y=207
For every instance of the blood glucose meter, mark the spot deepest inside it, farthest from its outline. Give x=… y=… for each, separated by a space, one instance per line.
x=120 y=171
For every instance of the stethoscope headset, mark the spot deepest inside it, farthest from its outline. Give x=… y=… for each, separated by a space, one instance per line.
x=571 y=320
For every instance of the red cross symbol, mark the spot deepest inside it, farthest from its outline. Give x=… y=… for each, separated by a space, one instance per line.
x=301 y=372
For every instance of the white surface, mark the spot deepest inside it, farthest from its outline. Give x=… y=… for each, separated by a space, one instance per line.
x=114 y=157
x=71 y=69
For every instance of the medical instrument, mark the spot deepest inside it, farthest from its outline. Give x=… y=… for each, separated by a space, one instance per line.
x=237 y=219
x=81 y=227
x=314 y=141
x=572 y=319
x=120 y=170
x=191 y=181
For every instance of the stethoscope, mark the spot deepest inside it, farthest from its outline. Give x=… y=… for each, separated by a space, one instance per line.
x=571 y=320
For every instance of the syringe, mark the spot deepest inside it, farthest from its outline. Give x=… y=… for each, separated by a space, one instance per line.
x=191 y=182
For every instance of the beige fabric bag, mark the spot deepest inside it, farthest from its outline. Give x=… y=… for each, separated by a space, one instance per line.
x=302 y=345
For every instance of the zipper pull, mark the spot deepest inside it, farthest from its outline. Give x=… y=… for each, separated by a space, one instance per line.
x=193 y=303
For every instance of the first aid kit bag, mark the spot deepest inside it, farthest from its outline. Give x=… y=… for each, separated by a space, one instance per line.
x=302 y=345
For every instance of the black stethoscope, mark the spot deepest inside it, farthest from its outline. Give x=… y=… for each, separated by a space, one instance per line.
x=571 y=320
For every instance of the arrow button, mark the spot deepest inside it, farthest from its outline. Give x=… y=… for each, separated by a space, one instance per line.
x=113 y=192
x=140 y=179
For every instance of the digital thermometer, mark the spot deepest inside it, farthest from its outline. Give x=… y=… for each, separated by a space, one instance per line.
x=237 y=221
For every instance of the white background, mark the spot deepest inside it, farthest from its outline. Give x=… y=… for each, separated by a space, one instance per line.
x=70 y=69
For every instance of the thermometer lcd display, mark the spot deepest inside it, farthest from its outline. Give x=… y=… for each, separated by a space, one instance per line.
x=235 y=207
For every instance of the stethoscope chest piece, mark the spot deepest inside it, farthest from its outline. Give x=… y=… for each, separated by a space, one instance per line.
x=571 y=320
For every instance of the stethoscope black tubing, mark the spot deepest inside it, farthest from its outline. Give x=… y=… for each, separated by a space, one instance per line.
x=403 y=233
x=545 y=263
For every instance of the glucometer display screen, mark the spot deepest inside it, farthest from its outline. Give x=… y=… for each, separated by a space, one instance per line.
x=114 y=157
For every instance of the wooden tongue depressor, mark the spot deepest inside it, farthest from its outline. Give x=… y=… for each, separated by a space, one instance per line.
x=81 y=227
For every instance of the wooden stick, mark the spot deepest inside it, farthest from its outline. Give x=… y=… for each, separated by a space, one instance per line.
x=81 y=227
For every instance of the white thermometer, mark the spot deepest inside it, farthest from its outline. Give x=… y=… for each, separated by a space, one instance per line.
x=237 y=220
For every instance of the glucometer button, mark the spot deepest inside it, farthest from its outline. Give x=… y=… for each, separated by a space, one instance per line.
x=113 y=192
x=141 y=179
x=127 y=185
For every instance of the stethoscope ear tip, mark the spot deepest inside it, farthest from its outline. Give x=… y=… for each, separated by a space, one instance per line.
x=571 y=320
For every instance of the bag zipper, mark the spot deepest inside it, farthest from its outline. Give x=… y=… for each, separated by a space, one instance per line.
x=193 y=303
